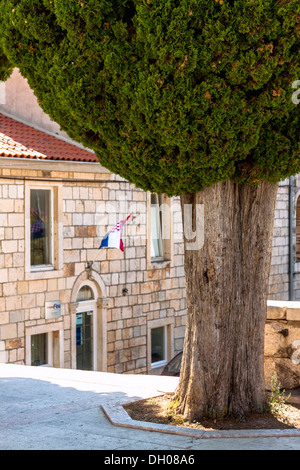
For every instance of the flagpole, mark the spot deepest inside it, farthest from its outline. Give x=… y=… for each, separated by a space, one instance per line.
x=125 y=289
x=126 y=260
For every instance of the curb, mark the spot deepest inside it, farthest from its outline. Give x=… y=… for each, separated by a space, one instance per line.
x=117 y=416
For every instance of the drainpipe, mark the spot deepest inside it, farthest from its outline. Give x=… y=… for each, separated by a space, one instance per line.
x=291 y=250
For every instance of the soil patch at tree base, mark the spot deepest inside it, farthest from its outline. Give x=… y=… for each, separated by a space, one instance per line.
x=162 y=410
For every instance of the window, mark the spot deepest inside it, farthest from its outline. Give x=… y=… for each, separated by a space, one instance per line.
x=298 y=230
x=160 y=343
x=156 y=227
x=160 y=222
x=44 y=230
x=44 y=345
x=40 y=227
x=158 y=346
x=39 y=349
x=85 y=293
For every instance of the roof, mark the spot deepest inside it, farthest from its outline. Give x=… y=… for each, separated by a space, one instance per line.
x=18 y=140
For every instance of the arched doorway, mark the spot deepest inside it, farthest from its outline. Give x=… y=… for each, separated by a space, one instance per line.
x=88 y=309
x=86 y=339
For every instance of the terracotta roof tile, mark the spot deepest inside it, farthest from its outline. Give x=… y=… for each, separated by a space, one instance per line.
x=21 y=141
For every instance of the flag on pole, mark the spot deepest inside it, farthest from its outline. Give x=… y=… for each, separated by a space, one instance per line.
x=113 y=239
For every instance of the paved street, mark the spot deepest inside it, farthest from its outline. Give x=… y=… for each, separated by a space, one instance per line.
x=61 y=409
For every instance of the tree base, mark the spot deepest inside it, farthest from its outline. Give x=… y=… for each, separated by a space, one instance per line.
x=227 y=286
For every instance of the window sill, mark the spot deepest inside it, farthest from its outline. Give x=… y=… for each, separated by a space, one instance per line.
x=43 y=272
x=157 y=365
x=42 y=267
x=160 y=263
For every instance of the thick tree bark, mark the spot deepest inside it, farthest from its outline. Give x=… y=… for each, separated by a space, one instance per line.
x=227 y=286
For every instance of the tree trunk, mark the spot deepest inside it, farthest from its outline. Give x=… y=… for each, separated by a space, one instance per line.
x=227 y=287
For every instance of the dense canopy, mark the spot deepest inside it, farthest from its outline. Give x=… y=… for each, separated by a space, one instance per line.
x=173 y=95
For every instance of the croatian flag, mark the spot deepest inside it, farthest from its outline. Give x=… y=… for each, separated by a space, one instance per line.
x=113 y=239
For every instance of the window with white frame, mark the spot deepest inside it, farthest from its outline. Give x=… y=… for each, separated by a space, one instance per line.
x=43 y=227
x=160 y=343
x=158 y=346
x=160 y=223
x=44 y=345
x=39 y=349
x=41 y=223
x=298 y=230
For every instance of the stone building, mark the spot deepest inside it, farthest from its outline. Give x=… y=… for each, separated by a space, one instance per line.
x=64 y=302
x=282 y=333
x=285 y=268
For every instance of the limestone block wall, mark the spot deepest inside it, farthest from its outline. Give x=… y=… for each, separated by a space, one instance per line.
x=134 y=294
x=280 y=267
x=282 y=343
x=142 y=294
x=296 y=274
x=279 y=277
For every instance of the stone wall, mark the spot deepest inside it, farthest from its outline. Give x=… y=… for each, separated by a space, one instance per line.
x=12 y=313
x=137 y=294
x=279 y=277
x=282 y=343
x=280 y=267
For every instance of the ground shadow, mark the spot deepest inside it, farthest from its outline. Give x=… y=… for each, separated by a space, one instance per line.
x=161 y=410
x=40 y=414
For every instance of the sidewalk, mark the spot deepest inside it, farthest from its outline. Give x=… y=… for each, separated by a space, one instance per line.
x=63 y=409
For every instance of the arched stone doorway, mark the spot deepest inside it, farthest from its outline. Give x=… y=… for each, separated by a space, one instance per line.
x=88 y=310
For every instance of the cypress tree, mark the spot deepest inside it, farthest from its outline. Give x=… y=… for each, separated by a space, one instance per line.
x=189 y=98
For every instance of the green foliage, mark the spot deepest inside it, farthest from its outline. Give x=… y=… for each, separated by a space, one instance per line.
x=5 y=67
x=277 y=398
x=173 y=95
